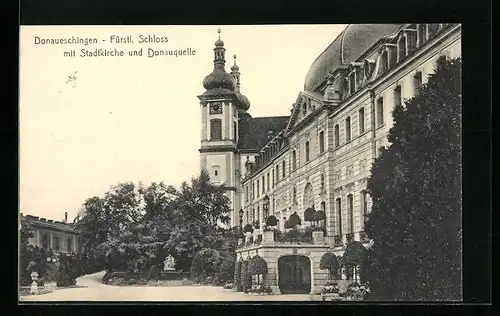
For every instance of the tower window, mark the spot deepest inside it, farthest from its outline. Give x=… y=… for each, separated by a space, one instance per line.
x=307 y=151
x=348 y=129
x=361 y=120
x=337 y=136
x=321 y=141
x=215 y=129
x=380 y=111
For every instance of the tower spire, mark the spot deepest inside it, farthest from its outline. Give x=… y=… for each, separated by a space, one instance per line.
x=235 y=72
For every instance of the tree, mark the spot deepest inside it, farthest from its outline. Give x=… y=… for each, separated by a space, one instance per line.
x=416 y=190
x=25 y=251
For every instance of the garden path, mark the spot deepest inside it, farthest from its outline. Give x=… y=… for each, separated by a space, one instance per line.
x=90 y=288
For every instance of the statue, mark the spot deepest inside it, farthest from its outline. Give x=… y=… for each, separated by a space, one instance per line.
x=169 y=264
x=34 y=285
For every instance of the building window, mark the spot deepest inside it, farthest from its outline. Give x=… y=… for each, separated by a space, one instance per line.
x=323 y=209
x=273 y=178
x=322 y=182
x=294 y=195
x=284 y=169
x=364 y=202
x=46 y=241
x=339 y=215
x=352 y=83
x=277 y=173
x=433 y=29
x=417 y=81
x=422 y=34
x=321 y=142
x=380 y=111
x=258 y=188
x=216 y=173
x=401 y=48
x=268 y=181
x=246 y=193
x=294 y=160
x=263 y=185
x=57 y=243
x=307 y=151
x=384 y=62
x=235 y=131
x=350 y=212
x=337 y=136
x=397 y=96
x=348 y=129
x=361 y=120
x=215 y=129
x=69 y=245
x=258 y=214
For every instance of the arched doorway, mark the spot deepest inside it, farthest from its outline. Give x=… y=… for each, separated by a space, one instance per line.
x=294 y=274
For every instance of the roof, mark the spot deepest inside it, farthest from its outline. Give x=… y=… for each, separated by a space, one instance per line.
x=50 y=224
x=346 y=48
x=255 y=133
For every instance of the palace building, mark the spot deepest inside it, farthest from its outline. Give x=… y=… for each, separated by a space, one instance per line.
x=319 y=157
x=58 y=236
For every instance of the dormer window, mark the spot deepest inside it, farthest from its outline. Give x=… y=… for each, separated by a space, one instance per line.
x=421 y=34
x=401 y=48
x=352 y=83
x=384 y=61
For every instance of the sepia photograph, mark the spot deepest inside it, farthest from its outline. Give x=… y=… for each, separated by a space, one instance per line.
x=240 y=163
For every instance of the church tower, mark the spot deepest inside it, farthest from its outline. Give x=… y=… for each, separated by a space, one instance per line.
x=221 y=106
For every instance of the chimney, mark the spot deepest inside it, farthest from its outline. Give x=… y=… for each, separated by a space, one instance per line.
x=65 y=217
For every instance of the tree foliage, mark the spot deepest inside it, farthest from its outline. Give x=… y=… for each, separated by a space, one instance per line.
x=416 y=190
x=132 y=228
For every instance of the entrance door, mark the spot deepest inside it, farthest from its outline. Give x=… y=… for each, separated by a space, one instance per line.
x=294 y=274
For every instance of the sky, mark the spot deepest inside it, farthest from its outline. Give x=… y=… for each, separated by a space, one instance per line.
x=87 y=123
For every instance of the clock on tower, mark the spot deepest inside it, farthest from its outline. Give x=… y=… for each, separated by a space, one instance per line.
x=216 y=108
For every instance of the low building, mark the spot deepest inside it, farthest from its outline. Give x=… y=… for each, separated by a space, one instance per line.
x=58 y=236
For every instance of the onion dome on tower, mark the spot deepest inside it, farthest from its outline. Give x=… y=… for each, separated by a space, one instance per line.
x=243 y=102
x=219 y=78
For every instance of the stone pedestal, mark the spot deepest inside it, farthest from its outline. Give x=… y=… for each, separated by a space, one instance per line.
x=268 y=237
x=318 y=237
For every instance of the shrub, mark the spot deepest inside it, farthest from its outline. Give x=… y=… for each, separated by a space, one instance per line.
x=271 y=220
x=237 y=277
x=142 y=281
x=132 y=281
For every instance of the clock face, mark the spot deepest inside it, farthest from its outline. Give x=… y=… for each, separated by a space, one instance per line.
x=216 y=108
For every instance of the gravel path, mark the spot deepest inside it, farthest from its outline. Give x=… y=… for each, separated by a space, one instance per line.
x=89 y=288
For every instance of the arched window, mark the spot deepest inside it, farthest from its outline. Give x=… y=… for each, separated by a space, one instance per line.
x=348 y=129
x=401 y=48
x=339 y=216
x=350 y=213
x=308 y=196
x=215 y=129
x=337 y=136
x=361 y=120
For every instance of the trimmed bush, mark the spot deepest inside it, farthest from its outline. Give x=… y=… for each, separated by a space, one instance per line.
x=271 y=220
x=237 y=277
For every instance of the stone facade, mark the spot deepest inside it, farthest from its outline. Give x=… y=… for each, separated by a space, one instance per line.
x=322 y=158
x=58 y=236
